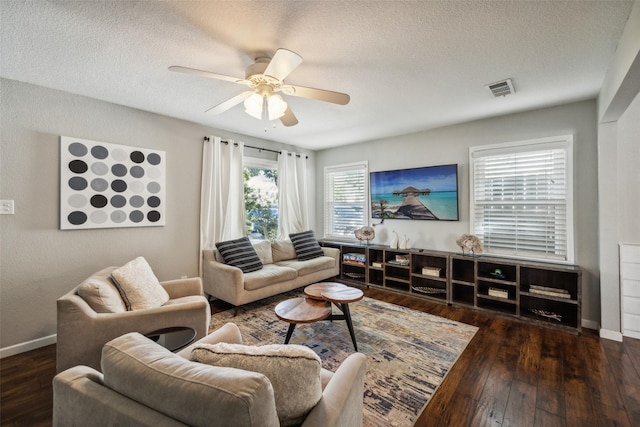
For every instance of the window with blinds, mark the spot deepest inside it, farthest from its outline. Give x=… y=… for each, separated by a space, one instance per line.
x=345 y=199
x=522 y=198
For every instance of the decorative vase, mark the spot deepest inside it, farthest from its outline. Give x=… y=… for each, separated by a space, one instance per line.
x=404 y=243
x=394 y=240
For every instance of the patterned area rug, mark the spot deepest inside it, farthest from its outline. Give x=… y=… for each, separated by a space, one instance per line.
x=409 y=352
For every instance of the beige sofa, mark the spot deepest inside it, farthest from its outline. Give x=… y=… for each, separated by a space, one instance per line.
x=179 y=392
x=85 y=325
x=281 y=272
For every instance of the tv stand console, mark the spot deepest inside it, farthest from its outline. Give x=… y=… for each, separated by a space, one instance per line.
x=544 y=293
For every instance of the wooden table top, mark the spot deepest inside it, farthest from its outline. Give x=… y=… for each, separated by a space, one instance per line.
x=334 y=292
x=315 y=291
x=303 y=310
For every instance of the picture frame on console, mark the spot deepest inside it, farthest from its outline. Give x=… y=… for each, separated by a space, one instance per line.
x=424 y=193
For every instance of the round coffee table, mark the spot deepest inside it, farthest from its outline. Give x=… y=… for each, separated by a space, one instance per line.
x=340 y=295
x=302 y=310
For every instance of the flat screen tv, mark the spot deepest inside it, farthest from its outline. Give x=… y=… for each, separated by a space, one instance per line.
x=426 y=193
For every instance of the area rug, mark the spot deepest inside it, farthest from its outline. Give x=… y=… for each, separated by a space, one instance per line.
x=409 y=352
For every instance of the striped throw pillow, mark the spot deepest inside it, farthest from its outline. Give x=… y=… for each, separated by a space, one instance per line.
x=306 y=245
x=240 y=253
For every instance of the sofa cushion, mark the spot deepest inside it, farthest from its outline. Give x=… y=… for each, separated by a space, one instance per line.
x=309 y=266
x=193 y=393
x=101 y=293
x=263 y=249
x=294 y=372
x=138 y=286
x=282 y=249
x=270 y=274
x=240 y=253
x=306 y=245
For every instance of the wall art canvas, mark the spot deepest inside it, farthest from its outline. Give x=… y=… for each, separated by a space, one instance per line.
x=105 y=185
x=426 y=193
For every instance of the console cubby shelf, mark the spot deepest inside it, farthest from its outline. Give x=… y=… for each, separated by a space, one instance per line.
x=544 y=293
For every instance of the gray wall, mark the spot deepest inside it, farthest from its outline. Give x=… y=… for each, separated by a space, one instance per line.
x=38 y=262
x=451 y=145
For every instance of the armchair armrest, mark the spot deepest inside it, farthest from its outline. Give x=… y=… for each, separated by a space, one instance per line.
x=179 y=288
x=342 y=398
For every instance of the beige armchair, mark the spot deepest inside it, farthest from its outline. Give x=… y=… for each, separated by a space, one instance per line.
x=144 y=384
x=83 y=330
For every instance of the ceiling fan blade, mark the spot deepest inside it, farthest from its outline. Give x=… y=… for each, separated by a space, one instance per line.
x=229 y=103
x=207 y=74
x=289 y=119
x=319 y=94
x=282 y=64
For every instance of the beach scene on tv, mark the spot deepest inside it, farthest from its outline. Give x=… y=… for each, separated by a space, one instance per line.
x=427 y=193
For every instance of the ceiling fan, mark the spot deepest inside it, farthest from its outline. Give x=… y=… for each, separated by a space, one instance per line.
x=266 y=78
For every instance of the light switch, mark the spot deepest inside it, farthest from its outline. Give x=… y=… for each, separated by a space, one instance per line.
x=6 y=207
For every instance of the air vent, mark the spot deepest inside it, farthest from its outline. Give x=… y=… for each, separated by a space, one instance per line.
x=501 y=88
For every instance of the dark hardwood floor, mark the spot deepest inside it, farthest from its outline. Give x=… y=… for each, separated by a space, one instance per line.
x=511 y=374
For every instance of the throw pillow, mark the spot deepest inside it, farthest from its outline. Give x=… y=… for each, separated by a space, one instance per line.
x=306 y=245
x=240 y=253
x=101 y=293
x=282 y=250
x=294 y=372
x=138 y=286
x=263 y=250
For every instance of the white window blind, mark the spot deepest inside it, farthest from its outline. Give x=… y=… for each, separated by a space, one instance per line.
x=346 y=189
x=522 y=198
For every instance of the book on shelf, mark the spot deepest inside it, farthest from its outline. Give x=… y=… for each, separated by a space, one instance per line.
x=431 y=271
x=354 y=258
x=376 y=264
x=548 y=291
x=499 y=293
x=399 y=260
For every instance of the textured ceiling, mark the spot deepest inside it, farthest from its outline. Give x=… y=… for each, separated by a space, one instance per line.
x=408 y=66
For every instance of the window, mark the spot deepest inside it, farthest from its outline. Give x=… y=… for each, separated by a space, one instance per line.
x=261 y=198
x=522 y=198
x=345 y=199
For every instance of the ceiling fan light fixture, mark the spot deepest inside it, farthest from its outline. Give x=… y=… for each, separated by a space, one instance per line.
x=253 y=106
x=274 y=106
x=277 y=107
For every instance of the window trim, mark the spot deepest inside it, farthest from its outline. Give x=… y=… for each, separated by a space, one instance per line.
x=257 y=162
x=564 y=142
x=346 y=167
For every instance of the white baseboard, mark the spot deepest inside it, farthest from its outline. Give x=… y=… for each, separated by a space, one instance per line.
x=632 y=334
x=611 y=335
x=27 y=346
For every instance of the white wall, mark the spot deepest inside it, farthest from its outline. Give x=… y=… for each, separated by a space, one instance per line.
x=38 y=262
x=618 y=120
x=629 y=173
x=451 y=145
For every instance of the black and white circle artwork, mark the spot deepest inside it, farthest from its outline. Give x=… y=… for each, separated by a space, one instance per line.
x=106 y=185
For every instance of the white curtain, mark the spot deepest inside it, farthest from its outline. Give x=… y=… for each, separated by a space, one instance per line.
x=222 y=200
x=293 y=208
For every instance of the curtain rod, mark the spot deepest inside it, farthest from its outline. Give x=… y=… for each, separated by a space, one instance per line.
x=206 y=138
